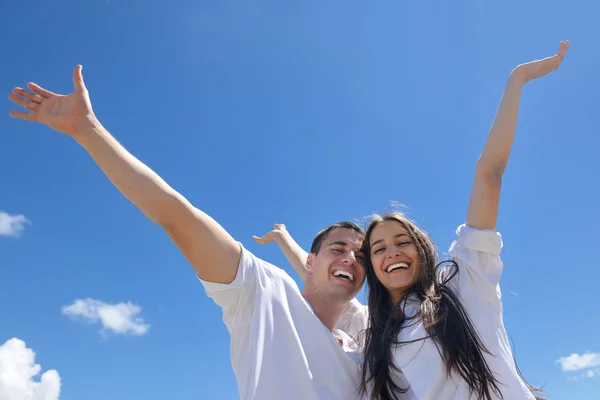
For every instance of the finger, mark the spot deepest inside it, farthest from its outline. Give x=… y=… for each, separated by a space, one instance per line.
x=40 y=90
x=260 y=240
x=562 y=50
x=23 y=102
x=28 y=95
x=78 y=78
x=23 y=115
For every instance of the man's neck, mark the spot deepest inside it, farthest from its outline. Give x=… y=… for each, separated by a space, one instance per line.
x=327 y=311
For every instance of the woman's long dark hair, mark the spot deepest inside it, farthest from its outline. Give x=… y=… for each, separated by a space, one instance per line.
x=440 y=310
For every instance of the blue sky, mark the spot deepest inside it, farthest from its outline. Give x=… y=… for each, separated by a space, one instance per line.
x=295 y=113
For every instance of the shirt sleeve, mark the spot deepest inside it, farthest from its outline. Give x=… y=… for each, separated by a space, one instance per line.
x=238 y=298
x=477 y=253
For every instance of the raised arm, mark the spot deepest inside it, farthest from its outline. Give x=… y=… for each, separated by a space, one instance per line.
x=485 y=195
x=292 y=251
x=211 y=251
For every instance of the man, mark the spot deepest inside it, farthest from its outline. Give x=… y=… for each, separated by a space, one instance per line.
x=281 y=340
x=354 y=316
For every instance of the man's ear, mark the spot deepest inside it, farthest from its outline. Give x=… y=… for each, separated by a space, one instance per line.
x=309 y=262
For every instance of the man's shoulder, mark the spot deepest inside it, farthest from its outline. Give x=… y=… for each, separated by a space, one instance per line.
x=269 y=274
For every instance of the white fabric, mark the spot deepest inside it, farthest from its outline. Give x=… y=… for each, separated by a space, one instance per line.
x=353 y=319
x=279 y=348
x=477 y=254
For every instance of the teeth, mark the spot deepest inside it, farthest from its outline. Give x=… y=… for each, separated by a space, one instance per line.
x=344 y=274
x=396 y=266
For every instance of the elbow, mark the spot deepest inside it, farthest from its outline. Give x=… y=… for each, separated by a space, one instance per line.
x=490 y=171
x=172 y=212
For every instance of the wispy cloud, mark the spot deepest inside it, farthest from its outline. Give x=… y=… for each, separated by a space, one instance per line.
x=575 y=361
x=585 y=363
x=18 y=372
x=12 y=225
x=590 y=373
x=120 y=318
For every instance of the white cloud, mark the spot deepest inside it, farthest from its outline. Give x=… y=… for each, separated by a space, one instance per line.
x=18 y=371
x=589 y=374
x=120 y=318
x=12 y=225
x=575 y=361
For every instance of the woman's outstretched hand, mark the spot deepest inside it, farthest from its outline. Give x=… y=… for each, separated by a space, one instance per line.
x=538 y=68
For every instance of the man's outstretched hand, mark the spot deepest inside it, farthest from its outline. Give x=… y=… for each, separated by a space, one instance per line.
x=278 y=230
x=64 y=113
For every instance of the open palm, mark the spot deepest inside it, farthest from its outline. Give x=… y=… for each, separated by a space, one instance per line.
x=270 y=237
x=64 y=113
x=538 y=68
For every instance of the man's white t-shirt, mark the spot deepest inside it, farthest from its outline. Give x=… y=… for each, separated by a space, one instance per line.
x=477 y=284
x=279 y=347
x=353 y=320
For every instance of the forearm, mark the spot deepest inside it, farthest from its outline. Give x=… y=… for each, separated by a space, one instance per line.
x=211 y=251
x=485 y=195
x=293 y=252
x=136 y=181
x=496 y=151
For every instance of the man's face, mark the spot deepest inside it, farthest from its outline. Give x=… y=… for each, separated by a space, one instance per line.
x=337 y=271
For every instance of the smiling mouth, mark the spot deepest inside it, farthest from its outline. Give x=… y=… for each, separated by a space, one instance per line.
x=339 y=274
x=397 y=266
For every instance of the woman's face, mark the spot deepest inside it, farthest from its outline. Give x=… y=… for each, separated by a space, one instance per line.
x=394 y=257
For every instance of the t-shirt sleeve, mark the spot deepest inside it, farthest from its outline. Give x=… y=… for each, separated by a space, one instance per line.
x=353 y=319
x=477 y=253
x=237 y=299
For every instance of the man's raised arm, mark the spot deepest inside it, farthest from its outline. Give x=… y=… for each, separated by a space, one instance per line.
x=212 y=252
x=292 y=250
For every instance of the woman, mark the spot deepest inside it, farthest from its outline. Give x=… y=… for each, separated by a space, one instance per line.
x=443 y=326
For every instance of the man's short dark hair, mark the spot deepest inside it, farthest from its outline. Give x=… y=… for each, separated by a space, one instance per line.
x=322 y=235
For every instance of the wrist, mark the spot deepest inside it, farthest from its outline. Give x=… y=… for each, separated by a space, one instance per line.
x=281 y=236
x=517 y=77
x=85 y=129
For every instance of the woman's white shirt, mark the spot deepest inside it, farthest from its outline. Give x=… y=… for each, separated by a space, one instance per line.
x=477 y=253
